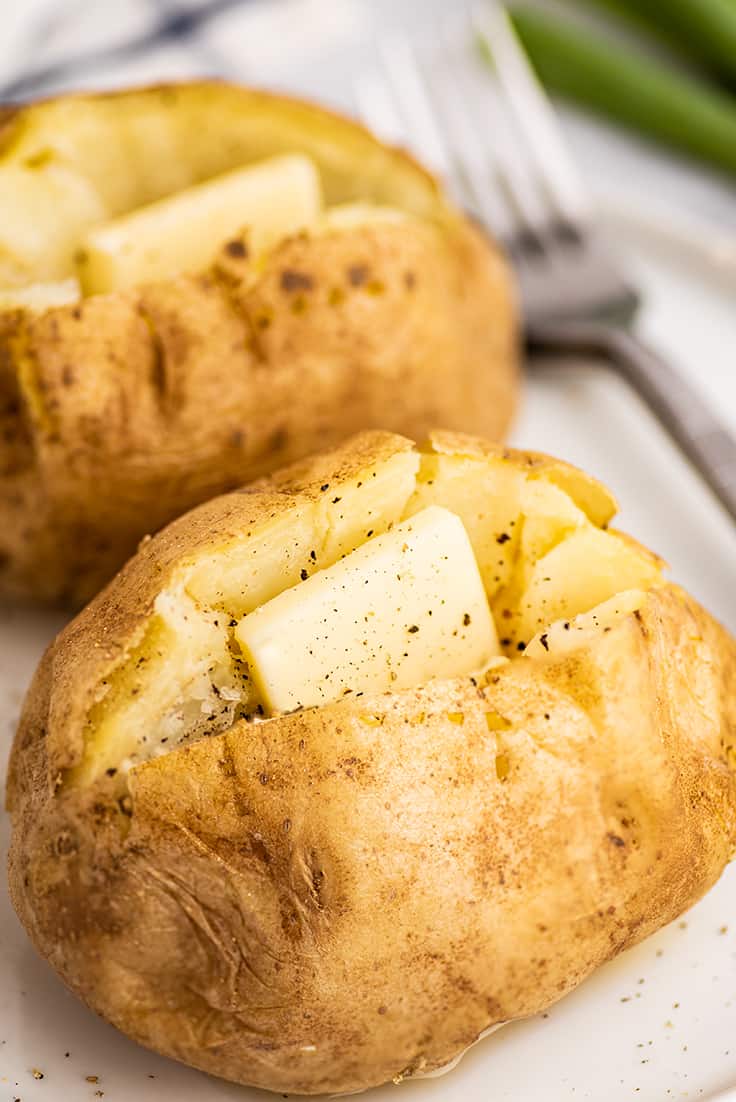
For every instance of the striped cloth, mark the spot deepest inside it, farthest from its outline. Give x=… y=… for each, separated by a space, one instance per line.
x=309 y=46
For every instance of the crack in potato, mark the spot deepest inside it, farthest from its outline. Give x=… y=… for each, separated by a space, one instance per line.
x=551 y=576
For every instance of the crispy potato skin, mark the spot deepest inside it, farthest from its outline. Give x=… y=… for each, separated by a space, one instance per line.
x=129 y=408
x=342 y=896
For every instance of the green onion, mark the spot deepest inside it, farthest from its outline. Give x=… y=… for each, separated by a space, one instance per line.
x=629 y=15
x=705 y=29
x=638 y=92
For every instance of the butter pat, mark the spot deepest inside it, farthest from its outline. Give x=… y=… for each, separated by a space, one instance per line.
x=183 y=233
x=405 y=607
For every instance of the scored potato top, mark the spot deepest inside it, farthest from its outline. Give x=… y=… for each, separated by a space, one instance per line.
x=69 y=163
x=126 y=666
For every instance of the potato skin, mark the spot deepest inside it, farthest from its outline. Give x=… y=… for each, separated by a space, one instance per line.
x=343 y=896
x=129 y=408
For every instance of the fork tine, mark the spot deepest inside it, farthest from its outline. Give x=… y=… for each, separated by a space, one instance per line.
x=408 y=87
x=533 y=111
x=468 y=152
x=377 y=109
x=463 y=124
x=504 y=163
x=471 y=165
x=376 y=100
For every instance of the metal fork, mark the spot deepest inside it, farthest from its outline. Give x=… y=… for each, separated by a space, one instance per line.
x=497 y=145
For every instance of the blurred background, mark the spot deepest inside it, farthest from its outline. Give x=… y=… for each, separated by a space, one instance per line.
x=661 y=73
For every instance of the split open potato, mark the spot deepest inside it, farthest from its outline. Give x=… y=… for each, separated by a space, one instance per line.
x=347 y=767
x=200 y=282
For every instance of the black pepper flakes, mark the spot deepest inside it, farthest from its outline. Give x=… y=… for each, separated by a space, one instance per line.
x=236 y=249
x=358 y=275
x=544 y=640
x=296 y=281
x=125 y=804
x=503 y=538
x=303 y=574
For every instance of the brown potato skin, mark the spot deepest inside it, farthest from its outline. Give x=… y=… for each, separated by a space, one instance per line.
x=381 y=878
x=124 y=411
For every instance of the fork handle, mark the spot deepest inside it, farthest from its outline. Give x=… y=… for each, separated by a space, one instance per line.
x=709 y=446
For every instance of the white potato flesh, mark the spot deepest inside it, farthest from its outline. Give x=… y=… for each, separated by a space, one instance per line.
x=565 y=635
x=44 y=210
x=184 y=232
x=486 y=497
x=549 y=515
x=311 y=536
x=185 y=677
x=402 y=609
x=582 y=571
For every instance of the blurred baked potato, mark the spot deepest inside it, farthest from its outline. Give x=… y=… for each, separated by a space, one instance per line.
x=200 y=282
x=347 y=767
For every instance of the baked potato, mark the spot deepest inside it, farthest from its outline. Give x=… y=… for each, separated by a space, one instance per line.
x=201 y=282
x=471 y=803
